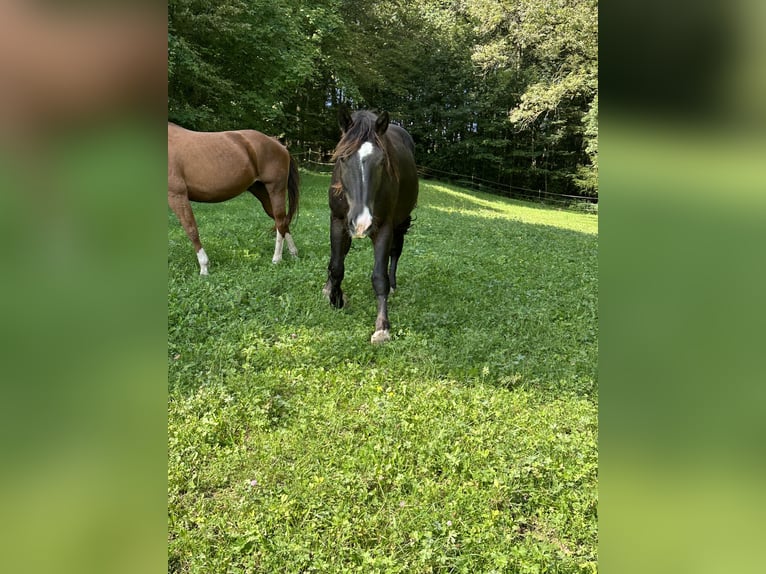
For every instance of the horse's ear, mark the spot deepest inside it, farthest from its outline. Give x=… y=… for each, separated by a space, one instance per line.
x=381 y=124
x=344 y=117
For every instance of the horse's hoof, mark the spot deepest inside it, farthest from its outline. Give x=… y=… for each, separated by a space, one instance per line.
x=276 y=260
x=380 y=337
x=339 y=302
x=203 y=272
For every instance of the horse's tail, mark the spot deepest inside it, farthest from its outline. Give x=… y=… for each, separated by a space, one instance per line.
x=293 y=192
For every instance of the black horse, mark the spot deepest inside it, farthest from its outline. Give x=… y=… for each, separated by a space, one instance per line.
x=373 y=191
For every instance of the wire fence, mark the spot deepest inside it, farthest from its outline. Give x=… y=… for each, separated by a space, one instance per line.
x=314 y=160
x=504 y=189
x=320 y=161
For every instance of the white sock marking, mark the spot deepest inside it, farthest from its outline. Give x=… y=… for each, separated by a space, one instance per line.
x=203 y=261
x=291 y=245
x=278 y=248
x=381 y=336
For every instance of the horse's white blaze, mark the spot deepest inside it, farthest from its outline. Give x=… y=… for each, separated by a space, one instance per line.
x=362 y=222
x=203 y=261
x=364 y=150
x=278 y=248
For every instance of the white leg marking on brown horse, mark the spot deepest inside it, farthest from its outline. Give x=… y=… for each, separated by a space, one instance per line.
x=203 y=261
x=278 y=248
x=291 y=245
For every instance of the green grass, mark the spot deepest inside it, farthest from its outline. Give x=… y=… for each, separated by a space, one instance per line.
x=466 y=444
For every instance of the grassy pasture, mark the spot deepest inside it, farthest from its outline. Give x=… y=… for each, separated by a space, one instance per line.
x=466 y=444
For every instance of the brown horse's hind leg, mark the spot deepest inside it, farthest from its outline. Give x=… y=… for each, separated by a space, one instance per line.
x=180 y=205
x=276 y=211
x=277 y=195
x=259 y=191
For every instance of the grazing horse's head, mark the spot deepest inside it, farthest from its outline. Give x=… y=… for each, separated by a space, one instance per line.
x=362 y=165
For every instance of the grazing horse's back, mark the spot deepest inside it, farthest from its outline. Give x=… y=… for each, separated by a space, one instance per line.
x=212 y=167
x=217 y=166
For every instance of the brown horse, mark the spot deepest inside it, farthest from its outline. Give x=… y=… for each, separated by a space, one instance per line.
x=211 y=167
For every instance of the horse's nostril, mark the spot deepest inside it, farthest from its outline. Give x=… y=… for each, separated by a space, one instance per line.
x=359 y=230
x=361 y=224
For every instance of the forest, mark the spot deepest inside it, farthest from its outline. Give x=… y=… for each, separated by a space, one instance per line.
x=501 y=93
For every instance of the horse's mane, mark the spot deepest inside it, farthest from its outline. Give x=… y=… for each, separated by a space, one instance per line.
x=362 y=129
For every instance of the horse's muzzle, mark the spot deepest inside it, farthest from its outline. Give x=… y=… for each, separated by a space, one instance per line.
x=361 y=225
x=359 y=232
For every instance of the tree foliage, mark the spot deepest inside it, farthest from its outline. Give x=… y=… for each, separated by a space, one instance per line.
x=502 y=90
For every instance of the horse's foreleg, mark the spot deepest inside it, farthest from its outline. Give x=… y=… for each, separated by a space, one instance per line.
x=396 y=250
x=381 y=283
x=340 y=243
x=180 y=205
